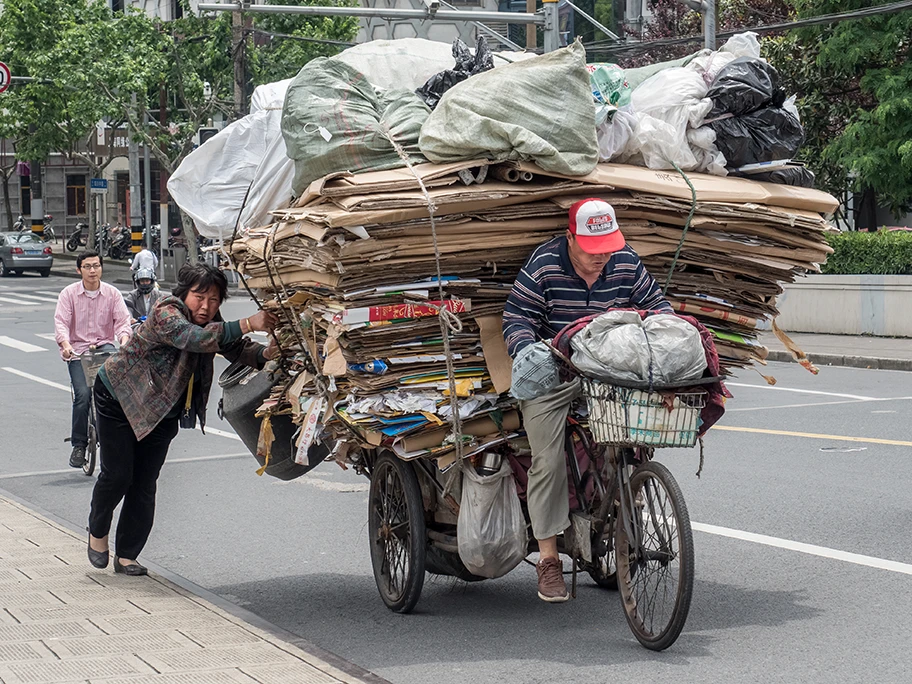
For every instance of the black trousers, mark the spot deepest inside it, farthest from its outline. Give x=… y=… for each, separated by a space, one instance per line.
x=129 y=472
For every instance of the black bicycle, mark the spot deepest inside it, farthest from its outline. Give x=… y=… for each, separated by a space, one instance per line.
x=91 y=361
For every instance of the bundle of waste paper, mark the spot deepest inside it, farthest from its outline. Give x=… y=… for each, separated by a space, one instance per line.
x=409 y=215
x=351 y=272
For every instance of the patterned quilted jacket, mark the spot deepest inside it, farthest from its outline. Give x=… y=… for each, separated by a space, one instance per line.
x=150 y=373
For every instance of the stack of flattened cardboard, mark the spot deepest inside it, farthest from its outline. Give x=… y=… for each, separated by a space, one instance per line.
x=352 y=272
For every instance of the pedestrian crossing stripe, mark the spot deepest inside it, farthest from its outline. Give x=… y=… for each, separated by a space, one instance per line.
x=21 y=346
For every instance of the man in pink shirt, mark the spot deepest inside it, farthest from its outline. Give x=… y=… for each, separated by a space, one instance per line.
x=89 y=313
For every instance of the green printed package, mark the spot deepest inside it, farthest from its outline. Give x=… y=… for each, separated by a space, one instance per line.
x=609 y=84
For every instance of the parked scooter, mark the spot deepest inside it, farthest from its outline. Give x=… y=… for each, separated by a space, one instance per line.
x=47 y=234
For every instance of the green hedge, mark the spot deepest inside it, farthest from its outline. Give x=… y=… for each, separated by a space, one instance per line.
x=881 y=253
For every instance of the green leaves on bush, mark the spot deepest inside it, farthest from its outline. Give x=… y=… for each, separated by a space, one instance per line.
x=881 y=253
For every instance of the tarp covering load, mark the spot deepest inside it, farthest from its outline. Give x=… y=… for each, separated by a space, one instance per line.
x=351 y=272
x=537 y=110
x=244 y=172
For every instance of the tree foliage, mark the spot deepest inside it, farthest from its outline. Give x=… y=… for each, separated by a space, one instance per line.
x=864 y=77
x=286 y=42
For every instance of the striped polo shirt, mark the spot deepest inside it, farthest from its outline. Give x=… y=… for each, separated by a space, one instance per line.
x=548 y=295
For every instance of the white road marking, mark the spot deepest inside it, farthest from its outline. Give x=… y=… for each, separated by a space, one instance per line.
x=21 y=346
x=327 y=485
x=801 y=547
x=64 y=471
x=35 y=378
x=819 y=403
x=222 y=433
x=66 y=388
x=47 y=336
x=47 y=292
x=40 y=299
x=802 y=391
x=23 y=302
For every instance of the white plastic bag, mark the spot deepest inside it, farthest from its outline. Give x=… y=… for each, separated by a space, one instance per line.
x=613 y=135
x=491 y=530
x=621 y=346
x=666 y=105
x=245 y=160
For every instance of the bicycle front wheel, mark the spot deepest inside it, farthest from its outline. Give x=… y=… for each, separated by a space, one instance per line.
x=91 y=452
x=655 y=557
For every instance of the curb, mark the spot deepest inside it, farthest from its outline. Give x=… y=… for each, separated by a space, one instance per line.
x=242 y=614
x=867 y=362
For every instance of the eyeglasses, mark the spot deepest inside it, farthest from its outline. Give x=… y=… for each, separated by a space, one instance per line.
x=91 y=267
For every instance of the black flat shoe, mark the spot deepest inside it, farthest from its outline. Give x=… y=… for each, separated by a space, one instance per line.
x=98 y=558
x=131 y=570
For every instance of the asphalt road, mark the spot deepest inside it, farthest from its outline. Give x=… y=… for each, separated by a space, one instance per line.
x=822 y=595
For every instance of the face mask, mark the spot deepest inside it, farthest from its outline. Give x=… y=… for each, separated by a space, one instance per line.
x=144 y=288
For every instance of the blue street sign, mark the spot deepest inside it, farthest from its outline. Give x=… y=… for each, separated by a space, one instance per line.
x=98 y=184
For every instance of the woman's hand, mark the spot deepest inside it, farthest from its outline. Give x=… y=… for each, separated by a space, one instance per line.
x=262 y=321
x=271 y=351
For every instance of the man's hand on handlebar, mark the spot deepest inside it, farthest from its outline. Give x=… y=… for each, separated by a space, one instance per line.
x=67 y=352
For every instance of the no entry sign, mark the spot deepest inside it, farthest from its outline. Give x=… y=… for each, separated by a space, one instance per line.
x=5 y=77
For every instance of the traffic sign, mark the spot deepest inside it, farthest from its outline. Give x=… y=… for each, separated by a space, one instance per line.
x=5 y=77
x=98 y=185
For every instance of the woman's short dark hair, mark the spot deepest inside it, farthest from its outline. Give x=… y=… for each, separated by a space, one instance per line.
x=200 y=277
x=88 y=254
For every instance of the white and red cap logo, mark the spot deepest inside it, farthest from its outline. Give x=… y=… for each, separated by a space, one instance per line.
x=593 y=223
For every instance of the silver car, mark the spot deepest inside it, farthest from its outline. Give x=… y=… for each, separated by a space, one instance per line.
x=24 y=252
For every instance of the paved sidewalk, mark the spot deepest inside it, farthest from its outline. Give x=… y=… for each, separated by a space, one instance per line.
x=63 y=621
x=857 y=351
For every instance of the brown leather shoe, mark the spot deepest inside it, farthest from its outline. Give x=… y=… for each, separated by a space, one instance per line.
x=551 y=585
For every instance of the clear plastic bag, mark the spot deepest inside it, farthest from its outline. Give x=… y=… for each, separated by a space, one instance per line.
x=491 y=530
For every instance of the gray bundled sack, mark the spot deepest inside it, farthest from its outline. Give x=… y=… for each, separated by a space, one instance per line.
x=535 y=372
x=539 y=110
x=619 y=346
x=335 y=120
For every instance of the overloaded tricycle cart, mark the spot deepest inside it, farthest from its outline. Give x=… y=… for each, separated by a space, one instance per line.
x=630 y=529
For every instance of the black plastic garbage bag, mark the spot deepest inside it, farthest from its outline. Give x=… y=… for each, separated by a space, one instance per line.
x=743 y=86
x=797 y=176
x=764 y=135
x=467 y=65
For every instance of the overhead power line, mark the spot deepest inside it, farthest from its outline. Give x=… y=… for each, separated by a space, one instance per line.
x=878 y=10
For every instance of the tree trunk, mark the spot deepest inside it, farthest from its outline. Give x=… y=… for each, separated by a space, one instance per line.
x=7 y=206
x=191 y=237
x=93 y=221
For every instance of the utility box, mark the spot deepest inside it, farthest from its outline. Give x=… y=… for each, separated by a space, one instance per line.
x=172 y=260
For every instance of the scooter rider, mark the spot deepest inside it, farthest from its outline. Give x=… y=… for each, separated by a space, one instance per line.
x=141 y=300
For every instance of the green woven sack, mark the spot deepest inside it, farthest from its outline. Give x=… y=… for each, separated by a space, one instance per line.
x=335 y=120
x=539 y=110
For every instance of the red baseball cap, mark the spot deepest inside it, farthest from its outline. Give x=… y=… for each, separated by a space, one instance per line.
x=595 y=226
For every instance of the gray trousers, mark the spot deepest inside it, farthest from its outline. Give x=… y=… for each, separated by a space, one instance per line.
x=545 y=421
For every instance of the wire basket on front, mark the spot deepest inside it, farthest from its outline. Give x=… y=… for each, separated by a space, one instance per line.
x=91 y=362
x=630 y=417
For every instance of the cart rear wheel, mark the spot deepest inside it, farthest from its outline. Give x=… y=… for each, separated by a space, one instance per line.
x=603 y=570
x=655 y=574
x=398 y=539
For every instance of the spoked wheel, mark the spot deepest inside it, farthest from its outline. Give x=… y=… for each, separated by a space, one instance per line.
x=91 y=452
x=655 y=572
x=398 y=537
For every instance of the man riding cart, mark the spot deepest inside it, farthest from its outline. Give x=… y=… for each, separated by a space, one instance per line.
x=586 y=271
